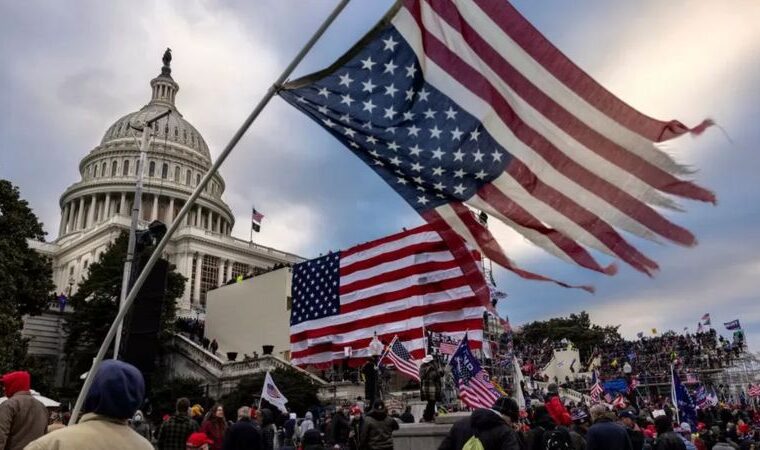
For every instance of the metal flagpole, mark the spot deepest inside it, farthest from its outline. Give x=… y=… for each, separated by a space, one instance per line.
x=196 y=193
x=136 y=208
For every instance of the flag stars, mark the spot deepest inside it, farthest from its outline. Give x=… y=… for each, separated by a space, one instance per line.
x=345 y=80
x=451 y=113
x=345 y=118
x=474 y=135
x=409 y=94
x=391 y=90
x=390 y=44
x=415 y=151
x=347 y=99
x=395 y=161
x=401 y=180
x=456 y=134
x=413 y=130
x=422 y=200
x=438 y=171
x=324 y=92
x=389 y=113
x=480 y=175
x=328 y=122
x=438 y=153
x=371 y=140
x=429 y=114
x=459 y=173
x=459 y=189
x=459 y=155
x=435 y=132
x=439 y=186
x=423 y=95
x=349 y=132
x=393 y=146
x=369 y=106
x=417 y=167
x=322 y=109
x=390 y=67
x=410 y=70
x=367 y=86
x=496 y=155
x=478 y=155
x=408 y=115
x=368 y=63
x=417 y=180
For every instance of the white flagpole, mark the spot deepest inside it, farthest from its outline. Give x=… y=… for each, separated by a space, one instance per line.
x=673 y=393
x=191 y=201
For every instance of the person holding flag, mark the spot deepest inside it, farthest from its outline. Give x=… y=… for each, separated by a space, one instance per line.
x=271 y=394
x=473 y=382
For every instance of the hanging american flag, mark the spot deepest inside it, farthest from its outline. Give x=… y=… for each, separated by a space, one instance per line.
x=399 y=356
x=754 y=390
x=256 y=218
x=474 y=384
x=456 y=103
x=398 y=285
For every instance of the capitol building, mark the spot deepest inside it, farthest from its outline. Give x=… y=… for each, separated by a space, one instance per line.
x=97 y=208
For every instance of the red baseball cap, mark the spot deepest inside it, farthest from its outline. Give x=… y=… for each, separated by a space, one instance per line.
x=198 y=439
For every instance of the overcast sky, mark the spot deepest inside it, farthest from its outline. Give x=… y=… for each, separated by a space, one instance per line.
x=70 y=69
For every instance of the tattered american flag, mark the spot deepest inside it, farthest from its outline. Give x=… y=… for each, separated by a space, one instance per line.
x=464 y=102
x=400 y=285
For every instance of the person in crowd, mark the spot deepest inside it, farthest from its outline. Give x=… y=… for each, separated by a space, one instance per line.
x=141 y=426
x=22 y=417
x=56 y=422
x=243 y=435
x=605 y=434
x=431 y=376
x=312 y=440
x=406 y=416
x=492 y=426
x=290 y=429
x=198 y=441
x=215 y=426
x=542 y=424
x=667 y=439
x=628 y=420
x=340 y=429
x=196 y=412
x=174 y=432
x=356 y=422
x=377 y=431
x=214 y=346
x=306 y=424
x=560 y=415
x=265 y=420
x=117 y=391
x=684 y=432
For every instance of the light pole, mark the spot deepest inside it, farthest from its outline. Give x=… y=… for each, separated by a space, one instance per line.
x=145 y=127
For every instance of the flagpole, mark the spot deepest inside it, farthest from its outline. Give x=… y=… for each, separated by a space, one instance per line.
x=673 y=394
x=191 y=201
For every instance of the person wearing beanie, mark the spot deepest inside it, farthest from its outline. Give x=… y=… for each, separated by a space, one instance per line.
x=117 y=391
x=22 y=417
x=494 y=428
x=667 y=439
x=198 y=441
x=377 y=431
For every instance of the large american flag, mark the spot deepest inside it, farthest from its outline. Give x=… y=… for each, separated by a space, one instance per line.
x=399 y=285
x=474 y=384
x=399 y=356
x=465 y=102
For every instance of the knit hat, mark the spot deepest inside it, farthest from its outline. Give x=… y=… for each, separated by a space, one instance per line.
x=507 y=407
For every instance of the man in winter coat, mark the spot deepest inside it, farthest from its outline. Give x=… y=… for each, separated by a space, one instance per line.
x=431 y=390
x=139 y=424
x=377 y=431
x=667 y=439
x=306 y=424
x=628 y=420
x=340 y=428
x=491 y=426
x=290 y=430
x=117 y=391
x=243 y=435
x=605 y=433
x=22 y=417
x=174 y=432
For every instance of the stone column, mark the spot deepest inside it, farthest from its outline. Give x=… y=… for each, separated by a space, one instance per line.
x=199 y=216
x=210 y=221
x=80 y=214
x=229 y=269
x=107 y=211
x=72 y=217
x=218 y=224
x=170 y=212
x=91 y=211
x=101 y=210
x=185 y=268
x=154 y=211
x=123 y=204
x=220 y=273
x=197 y=285
x=64 y=217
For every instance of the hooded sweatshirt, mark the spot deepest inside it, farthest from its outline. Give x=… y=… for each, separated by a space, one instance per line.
x=377 y=431
x=22 y=418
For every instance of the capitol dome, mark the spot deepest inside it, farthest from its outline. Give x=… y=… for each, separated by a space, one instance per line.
x=177 y=159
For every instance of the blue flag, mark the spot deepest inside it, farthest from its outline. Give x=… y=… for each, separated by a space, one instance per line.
x=475 y=388
x=733 y=325
x=687 y=410
x=616 y=386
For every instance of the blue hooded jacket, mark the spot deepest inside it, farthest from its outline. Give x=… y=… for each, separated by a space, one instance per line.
x=117 y=390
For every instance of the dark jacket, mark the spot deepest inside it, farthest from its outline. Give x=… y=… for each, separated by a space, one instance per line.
x=669 y=441
x=174 y=432
x=636 y=437
x=607 y=435
x=542 y=422
x=377 y=431
x=490 y=428
x=431 y=375
x=242 y=436
x=407 y=417
x=339 y=429
x=215 y=428
x=22 y=417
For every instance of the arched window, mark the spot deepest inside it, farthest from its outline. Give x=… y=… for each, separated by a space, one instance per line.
x=176 y=174
x=189 y=177
x=103 y=171
x=152 y=169
x=197 y=179
x=125 y=168
x=96 y=171
x=89 y=171
x=114 y=167
x=165 y=171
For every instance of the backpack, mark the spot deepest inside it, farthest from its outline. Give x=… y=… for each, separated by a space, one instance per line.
x=473 y=444
x=557 y=439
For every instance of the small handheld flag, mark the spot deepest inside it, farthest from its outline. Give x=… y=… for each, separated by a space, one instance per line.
x=270 y=393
